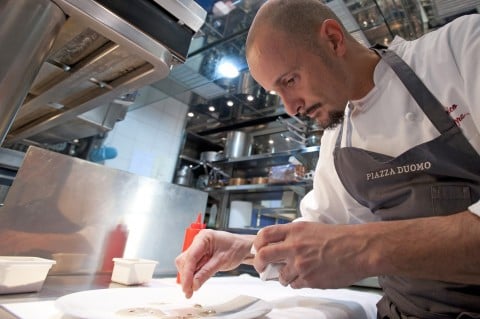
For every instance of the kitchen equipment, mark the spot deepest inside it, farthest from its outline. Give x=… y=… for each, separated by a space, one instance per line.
x=130 y=271
x=210 y=156
x=240 y=214
x=286 y=173
x=64 y=58
x=184 y=176
x=237 y=181
x=238 y=144
x=114 y=246
x=190 y=233
x=259 y=180
x=202 y=182
x=23 y=274
x=39 y=20
x=51 y=191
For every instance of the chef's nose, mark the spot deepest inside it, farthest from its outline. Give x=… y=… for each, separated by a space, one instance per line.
x=292 y=105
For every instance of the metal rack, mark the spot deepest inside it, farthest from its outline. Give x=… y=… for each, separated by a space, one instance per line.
x=257 y=193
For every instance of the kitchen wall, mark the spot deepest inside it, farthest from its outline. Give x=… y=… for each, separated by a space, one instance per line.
x=148 y=140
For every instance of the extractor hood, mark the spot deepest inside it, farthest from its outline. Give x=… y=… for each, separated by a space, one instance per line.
x=103 y=52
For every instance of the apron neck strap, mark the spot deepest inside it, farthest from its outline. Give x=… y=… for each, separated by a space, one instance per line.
x=422 y=95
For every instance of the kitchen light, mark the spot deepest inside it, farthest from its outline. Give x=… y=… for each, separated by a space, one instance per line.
x=272 y=92
x=226 y=68
x=270 y=142
x=190 y=114
x=211 y=108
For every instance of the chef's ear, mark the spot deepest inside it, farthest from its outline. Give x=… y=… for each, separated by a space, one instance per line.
x=332 y=32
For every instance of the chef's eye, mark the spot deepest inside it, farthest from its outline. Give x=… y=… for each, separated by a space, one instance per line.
x=290 y=82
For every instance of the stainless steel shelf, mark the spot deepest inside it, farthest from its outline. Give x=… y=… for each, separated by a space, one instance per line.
x=262 y=187
x=257 y=157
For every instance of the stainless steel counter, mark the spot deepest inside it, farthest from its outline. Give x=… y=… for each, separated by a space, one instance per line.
x=54 y=287
x=59 y=285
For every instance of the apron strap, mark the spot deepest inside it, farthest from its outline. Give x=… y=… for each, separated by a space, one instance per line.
x=422 y=95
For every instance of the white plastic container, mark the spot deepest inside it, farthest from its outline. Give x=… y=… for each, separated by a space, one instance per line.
x=240 y=214
x=128 y=271
x=23 y=274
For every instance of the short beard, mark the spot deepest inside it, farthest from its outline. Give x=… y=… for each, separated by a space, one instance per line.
x=334 y=119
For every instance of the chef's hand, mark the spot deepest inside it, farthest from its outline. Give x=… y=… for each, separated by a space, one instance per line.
x=210 y=252
x=310 y=254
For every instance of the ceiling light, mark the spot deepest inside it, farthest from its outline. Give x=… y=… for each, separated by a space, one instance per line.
x=211 y=108
x=250 y=98
x=270 y=142
x=287 y=139
x=272 y=92
x=190 y=114
x=226 y=68
x=230 y=103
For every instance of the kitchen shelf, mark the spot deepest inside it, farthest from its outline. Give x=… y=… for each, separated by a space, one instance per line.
x=269 y=159
x=262 y=187
x=288 y=193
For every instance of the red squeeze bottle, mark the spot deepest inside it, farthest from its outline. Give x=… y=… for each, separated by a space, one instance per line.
x=190 y=233
x=114 y=246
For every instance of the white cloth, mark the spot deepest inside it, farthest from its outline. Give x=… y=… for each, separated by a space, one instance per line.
x=389 y=121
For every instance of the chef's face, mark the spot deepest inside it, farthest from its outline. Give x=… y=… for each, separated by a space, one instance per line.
x=308 y=80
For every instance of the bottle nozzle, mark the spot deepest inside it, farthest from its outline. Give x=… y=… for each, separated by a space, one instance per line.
x=198 y=223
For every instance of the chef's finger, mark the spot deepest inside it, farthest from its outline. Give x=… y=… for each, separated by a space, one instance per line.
x=287 y=275
x=210 y=268
x=272 y=254
x=189 y=262
x=186 y=271
x=298 y=283
x=270 y=234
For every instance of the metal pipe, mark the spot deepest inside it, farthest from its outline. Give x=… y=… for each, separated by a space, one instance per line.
x=28 y=29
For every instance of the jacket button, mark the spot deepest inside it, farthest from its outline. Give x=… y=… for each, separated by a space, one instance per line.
x=410 y=116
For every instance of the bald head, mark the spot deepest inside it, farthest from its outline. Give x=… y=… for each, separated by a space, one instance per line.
x=298 y=19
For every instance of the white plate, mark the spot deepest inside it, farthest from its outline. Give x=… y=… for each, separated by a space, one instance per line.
x=155 y=303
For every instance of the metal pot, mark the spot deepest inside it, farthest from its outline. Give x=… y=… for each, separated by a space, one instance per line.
x=259 y=180
x=238 y=144
x=237 y=181
x=210 y=156
x=184 y=176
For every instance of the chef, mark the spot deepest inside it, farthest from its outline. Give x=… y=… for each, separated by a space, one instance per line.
x=397 y=185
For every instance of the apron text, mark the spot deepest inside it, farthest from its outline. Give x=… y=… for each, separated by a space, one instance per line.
x=404 y=169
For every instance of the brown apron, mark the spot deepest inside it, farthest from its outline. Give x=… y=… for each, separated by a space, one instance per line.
x=440 y=177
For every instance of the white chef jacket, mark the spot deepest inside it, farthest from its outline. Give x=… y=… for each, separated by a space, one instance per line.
x=389 y=121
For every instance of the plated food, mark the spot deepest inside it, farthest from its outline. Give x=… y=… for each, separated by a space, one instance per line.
x=159 y=303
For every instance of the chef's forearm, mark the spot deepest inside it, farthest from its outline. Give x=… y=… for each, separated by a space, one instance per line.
x=438 y=248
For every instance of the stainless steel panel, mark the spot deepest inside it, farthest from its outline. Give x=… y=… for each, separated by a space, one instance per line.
x=187 y=11
x=61 y=204
x=28 y=29
x=11 y=159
